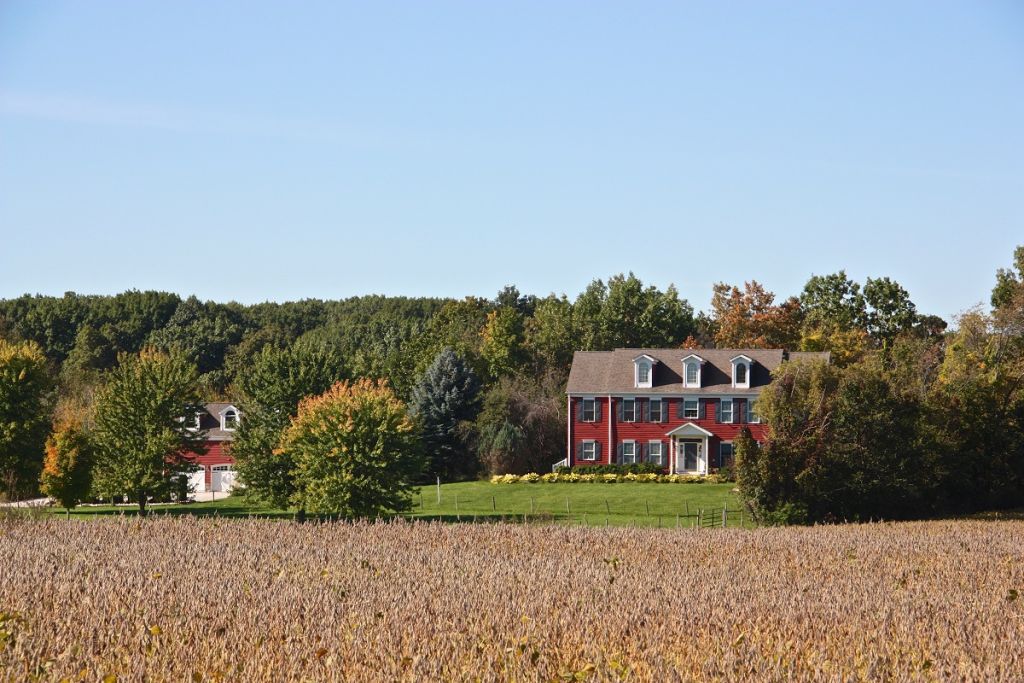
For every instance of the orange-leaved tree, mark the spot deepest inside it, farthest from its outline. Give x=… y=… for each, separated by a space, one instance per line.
x=355 y=451
x=67 y=467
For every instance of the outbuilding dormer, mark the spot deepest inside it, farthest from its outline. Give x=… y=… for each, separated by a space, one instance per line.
x=741 y=371
x=643 y=371
x=229 y=418
x=692 y=365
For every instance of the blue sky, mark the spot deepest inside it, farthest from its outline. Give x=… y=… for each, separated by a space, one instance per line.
x=276 y=151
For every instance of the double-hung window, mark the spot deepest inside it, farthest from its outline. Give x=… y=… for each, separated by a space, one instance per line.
x=629 y=453
x=655 y=410
x=589 y=450
x=691 y=374
x=629 y=410
x=752 y=416
x=725 y=410
x=725 y=454
x=656 y=453
x=691 y=408
x=589 y=410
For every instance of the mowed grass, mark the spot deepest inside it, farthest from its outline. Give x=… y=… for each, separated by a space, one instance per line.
x=622 y=504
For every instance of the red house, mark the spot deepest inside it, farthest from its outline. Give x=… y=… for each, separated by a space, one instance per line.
x=680 y=409
x=216 y=467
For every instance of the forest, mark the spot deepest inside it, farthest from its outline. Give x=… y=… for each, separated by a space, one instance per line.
x=486 y=377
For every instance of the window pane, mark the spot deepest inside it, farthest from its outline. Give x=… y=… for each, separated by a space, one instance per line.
x=690 y=407
x=741 y=373
x=726 y=410
x=588 y=410
x=628 y=410
x=644 y=373
x=691 y=373
x=655 y=410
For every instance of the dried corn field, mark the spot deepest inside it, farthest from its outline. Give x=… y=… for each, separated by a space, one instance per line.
x=176 y=599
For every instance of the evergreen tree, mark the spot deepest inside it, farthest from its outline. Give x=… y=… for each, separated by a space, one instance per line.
x=442 y=401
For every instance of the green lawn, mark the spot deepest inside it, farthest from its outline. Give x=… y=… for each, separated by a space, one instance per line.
x=622 y=504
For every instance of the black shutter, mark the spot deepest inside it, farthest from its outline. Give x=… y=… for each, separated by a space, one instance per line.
x=597 y=410
x=679 y=408
x=579 y=410
x=718 y=410
x=643 y=453
x=664 y=410
x=597 y=450
x=739 y=411
x=579 y=451
x=646 y=414
x=702 y=413
x=618 y=452
x=618 y=410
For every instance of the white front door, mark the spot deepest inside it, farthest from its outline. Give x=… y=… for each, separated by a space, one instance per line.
x=690 y=457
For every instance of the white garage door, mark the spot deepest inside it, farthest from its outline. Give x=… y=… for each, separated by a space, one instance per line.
x=197 y=480
x=223 y=477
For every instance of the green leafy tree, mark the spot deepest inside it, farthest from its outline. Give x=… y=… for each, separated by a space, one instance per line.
x=502 y=342
x=521 y=426
x=442 y=401
x=1009 y=281
x=143 y=419
x=549 y=335
x=25 y=386
x=269 y=393
x=890 y=310
x=355 y=450
x=67 y=469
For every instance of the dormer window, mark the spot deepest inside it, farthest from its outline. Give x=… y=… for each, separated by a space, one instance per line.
x=741 y=371
x=229 y=419
x=691 y=371
x=643 y=371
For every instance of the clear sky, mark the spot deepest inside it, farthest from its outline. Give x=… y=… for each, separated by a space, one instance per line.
x=276 y=151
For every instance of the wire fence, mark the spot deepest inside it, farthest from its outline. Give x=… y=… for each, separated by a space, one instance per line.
x=588 y=511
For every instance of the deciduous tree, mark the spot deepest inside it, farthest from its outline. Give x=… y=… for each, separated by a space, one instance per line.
x=356 y=451
x=144 y=417
x=67 y=469
x=25 y=385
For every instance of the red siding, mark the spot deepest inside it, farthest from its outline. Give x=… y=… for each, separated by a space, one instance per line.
x=217 y=453
x=643 y=432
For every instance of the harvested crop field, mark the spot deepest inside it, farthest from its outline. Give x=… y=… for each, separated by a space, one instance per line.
x=200 y=599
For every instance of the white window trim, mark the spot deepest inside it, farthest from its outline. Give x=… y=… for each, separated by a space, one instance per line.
x=732 y=411
x=223 y=418
x=745 y=361
x=593 y=453
x=636 y=454
x=752 y=416
x=649 y=362
x=633 y=401
x=692 y=358
x=593 y=410
x=661 y=451
x=696 y=401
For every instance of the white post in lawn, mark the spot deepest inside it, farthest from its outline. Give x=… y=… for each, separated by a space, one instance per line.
x=439 y=490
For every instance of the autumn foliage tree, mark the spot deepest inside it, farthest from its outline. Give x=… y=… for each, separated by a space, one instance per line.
x=67 y=468
x=24 y=415
x=749 y=318
x=355 y=451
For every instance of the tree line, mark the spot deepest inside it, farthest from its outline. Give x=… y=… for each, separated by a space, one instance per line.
x=482 y=380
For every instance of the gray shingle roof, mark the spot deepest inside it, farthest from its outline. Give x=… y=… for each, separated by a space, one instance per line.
x=611 y=372
x=209 y=420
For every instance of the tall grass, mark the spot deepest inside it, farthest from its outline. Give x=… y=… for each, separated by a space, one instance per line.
x=178 y=599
